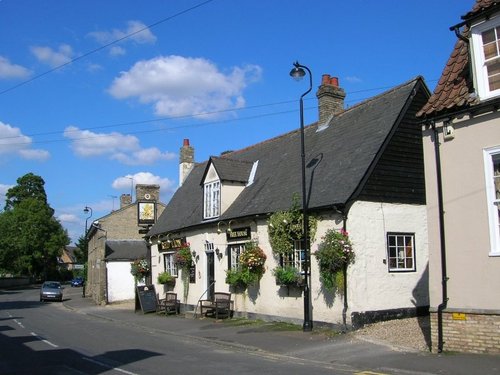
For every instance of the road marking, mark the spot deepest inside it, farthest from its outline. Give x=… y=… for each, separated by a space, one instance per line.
x=108 y=366
x=370 y=373
x=19 y=323
x=43 y=340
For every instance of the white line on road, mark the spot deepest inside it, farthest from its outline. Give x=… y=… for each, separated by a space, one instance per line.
x=108 y=366
x=19 y=323
x=43 y=340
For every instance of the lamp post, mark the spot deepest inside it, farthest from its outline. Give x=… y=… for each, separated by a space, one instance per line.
x=87 y=209
x=297 y=73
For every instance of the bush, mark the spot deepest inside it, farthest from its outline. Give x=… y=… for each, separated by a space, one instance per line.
x=165 y=278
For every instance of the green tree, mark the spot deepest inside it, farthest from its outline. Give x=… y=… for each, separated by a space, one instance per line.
x=81 y=254
x=31 y=237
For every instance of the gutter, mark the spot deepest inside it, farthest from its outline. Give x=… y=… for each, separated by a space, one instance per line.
x=444 y=276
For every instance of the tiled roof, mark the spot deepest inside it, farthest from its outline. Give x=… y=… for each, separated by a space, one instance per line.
x=125 y=249
x=338 y=158
x=455 y=88
x=232 y=170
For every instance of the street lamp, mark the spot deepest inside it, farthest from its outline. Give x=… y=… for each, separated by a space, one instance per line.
x=297 y=73
x=87 y=209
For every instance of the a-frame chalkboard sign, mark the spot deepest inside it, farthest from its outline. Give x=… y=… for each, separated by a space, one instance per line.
x=146 y=294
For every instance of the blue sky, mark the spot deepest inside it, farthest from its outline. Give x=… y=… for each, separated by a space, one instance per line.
x=92 y=100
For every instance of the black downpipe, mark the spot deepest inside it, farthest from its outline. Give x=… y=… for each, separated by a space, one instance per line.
x=444 y=275
x=344 y=273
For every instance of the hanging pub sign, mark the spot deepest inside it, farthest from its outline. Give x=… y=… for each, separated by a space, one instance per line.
x=146 y=212
x=238 y=234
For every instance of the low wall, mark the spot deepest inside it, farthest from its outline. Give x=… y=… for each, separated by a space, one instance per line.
x=468 y=331
x=9 y=282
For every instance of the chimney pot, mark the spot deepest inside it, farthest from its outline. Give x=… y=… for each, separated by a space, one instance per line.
x=330 y=98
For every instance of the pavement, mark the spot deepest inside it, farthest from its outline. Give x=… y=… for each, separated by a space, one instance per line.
x=347 y=352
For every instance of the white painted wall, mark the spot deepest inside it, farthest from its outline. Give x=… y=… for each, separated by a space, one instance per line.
x=120 y=281
x=371 y=286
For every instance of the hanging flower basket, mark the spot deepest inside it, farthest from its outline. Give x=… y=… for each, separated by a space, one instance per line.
x=139 y=269
x=183 y=257
x=251 y=267
x=334 y=252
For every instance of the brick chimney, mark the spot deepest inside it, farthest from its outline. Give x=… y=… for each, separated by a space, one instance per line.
x=145 y=192
x=186 y=161
x=330 y=98
x=125 y=200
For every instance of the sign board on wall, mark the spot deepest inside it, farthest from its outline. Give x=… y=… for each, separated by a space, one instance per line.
x=238 y=234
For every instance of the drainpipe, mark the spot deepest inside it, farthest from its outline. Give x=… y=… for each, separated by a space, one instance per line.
x=444 y=275
x=344 y=271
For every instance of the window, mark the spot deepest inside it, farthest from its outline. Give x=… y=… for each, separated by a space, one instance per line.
x=296 y=259
x=212 y=200
x=401 y=252
x=209 y=247
x=486 y=47
x=492 y=174
x=234 y=256
x=169 y=263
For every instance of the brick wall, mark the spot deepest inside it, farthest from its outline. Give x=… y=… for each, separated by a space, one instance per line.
x=472 y=332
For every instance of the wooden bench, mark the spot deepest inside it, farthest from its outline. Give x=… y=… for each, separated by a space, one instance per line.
x=169 y=304
x=220 y=306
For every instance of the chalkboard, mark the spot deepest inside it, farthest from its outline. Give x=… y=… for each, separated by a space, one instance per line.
x=147 y=298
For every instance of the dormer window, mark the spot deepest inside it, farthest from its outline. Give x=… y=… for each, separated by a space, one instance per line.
x=212 y=200
x=486 y=48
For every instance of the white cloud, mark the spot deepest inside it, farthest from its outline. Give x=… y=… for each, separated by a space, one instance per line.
x=135 y=31
x=123 y=148
x=353 y=79
x=51 y=57
x=9 y=70
x=178 y=86
x=35 y=154
x=13 y=142
x=124 y=183
x=68 y=218
x=117 y=51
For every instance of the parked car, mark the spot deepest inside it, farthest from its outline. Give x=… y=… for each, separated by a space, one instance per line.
x=51 y=291
x=77 y=281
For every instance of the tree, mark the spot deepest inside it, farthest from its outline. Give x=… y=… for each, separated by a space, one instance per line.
x=81 y=254
x=31 y=238
x=28 y=186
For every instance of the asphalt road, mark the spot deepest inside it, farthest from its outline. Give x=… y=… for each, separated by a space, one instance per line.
x=47 y=338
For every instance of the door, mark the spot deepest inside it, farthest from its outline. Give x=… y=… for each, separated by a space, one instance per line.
x=210 y=275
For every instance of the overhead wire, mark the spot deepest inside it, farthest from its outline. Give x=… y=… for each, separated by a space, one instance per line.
x=104 y=46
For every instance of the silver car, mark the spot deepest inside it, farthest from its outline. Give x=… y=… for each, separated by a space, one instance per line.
x=51 y=291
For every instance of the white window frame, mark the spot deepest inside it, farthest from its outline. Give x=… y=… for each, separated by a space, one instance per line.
x=169 y=263
x=211 y=196
x=235 y=251
x=401 y=255
x=295 y=259
x=493 y=202
x=479 y=62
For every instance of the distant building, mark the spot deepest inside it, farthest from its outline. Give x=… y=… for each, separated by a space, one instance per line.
x=116 y=240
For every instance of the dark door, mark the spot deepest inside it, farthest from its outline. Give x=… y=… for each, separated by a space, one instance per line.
x=210 y=275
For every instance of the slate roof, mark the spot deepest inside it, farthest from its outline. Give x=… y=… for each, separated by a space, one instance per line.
x=232 y=170
x=338 y=159
x=455 y=89
x=125 y=249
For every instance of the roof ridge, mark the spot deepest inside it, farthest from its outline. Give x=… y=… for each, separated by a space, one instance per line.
x=364 y=102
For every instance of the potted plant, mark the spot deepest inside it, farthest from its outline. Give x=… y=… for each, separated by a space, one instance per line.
x=166 y=278
x=334 y=253
x=288 y=275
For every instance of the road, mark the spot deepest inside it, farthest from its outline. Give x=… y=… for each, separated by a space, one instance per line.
x=47 y=338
